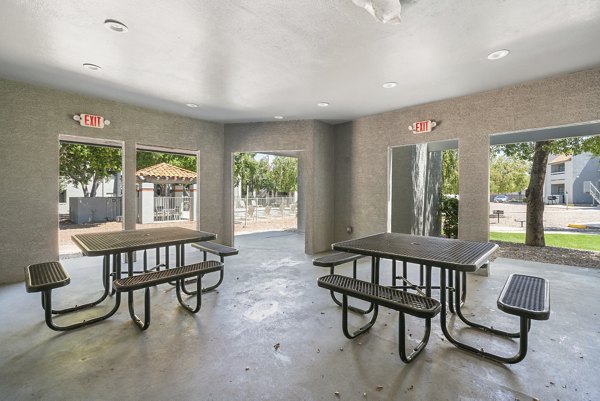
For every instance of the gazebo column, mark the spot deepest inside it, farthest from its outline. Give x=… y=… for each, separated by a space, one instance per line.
x=178 y=201
x=146 y=203
x=193 y=195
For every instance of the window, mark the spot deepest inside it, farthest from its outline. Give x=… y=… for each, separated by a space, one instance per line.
x=557 y=168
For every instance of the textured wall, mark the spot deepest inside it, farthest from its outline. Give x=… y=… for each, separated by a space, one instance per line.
x=361 y=146
x=355 y=195
x=32 y=119
x=313 y=142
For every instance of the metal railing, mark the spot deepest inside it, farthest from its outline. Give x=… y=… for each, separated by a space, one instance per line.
x=254 y=209
x=595 y=194
x=172 y=208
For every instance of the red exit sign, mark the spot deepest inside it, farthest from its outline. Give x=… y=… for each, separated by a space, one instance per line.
x=422 y=126
x=89 y=120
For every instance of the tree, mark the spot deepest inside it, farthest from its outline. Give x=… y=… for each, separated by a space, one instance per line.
x=244 y=170
x=508 y=174
x=87 y=166
x=262 y=178
x=284 y=174
x=450 y=172
x=538 y=153
x=146 y=159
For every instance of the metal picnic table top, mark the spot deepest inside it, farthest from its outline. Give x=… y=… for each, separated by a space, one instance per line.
x=106 y=243
x=460 y=255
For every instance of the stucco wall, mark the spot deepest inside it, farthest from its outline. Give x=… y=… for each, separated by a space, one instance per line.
x=313 y=143
x=344 y=168
x=362 y=146
x=31 y=120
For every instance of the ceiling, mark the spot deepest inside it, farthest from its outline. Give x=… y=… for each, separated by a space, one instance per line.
x=251 y=60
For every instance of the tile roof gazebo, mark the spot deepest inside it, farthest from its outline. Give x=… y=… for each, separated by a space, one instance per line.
x=165 y=173
x=171 y=204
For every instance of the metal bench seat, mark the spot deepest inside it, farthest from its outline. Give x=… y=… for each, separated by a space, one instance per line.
x=336 y=259
x=46 y=276
x=339 y=258
x=222 y=251
x=216 y=249
x=402 y=301
x=525 y=296
x=177 y=274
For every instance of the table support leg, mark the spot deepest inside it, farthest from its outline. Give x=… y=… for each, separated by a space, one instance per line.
x=105 y=284
x=402 y=339
x=361 y=330
x=47 y=302
x=452 y=290
x=523 y=332
x=488 y=329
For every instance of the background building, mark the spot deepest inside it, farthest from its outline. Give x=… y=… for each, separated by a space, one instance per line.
x=566 y=177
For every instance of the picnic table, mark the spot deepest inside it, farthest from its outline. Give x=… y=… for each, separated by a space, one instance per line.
x=454 y=258
x=497 y=214
x=45 y=277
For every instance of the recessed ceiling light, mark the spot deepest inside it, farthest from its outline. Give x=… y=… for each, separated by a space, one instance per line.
x=192 y=105
x=278 y=117
x=92 y=67
x=498 y=54
x=323 y=104
x=389 y=85
x=115 y=26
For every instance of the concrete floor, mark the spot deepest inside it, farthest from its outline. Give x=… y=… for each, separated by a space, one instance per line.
x=269 y=296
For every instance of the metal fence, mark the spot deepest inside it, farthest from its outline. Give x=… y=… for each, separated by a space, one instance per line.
x=265 y=208
x=172 y=208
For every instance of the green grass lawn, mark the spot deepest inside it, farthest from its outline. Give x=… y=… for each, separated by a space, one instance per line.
x=588 y=242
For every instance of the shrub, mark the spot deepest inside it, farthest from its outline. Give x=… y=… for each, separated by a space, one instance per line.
x=449 y=210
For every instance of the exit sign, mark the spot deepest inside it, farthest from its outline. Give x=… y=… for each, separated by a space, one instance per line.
x=89 y=120
x=422 y=126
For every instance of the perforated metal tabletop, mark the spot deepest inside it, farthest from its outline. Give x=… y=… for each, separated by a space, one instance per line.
x=106 y=243
x=454 y=254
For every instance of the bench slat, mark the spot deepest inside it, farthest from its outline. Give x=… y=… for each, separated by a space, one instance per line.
x=154 y=278
x=402 y=301
x=526 y=296
x=215 y=248
x=45 y=276
x=336 y=259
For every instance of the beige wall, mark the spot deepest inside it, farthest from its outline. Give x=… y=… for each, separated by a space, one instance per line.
x=313 y=142
x=31 y=120
x=362 y=146
x=344 y=168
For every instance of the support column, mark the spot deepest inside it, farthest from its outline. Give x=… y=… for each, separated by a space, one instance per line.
x=146 y=203
x=193 y=195
x=177 y=202
x=178 y=190
x=474 y=188
x=129 y=186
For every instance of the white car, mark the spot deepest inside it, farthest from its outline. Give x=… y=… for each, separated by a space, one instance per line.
x=501 y=198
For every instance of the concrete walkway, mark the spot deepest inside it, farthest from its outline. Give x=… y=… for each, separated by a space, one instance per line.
x=270 y=333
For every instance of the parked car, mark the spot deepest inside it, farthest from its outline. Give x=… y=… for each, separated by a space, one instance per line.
x=501 y=198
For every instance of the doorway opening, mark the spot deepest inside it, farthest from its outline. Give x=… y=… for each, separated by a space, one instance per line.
x=166 y=182
x=544 y=187
x=423 y=189
x=265 y=192
x=90 y=190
